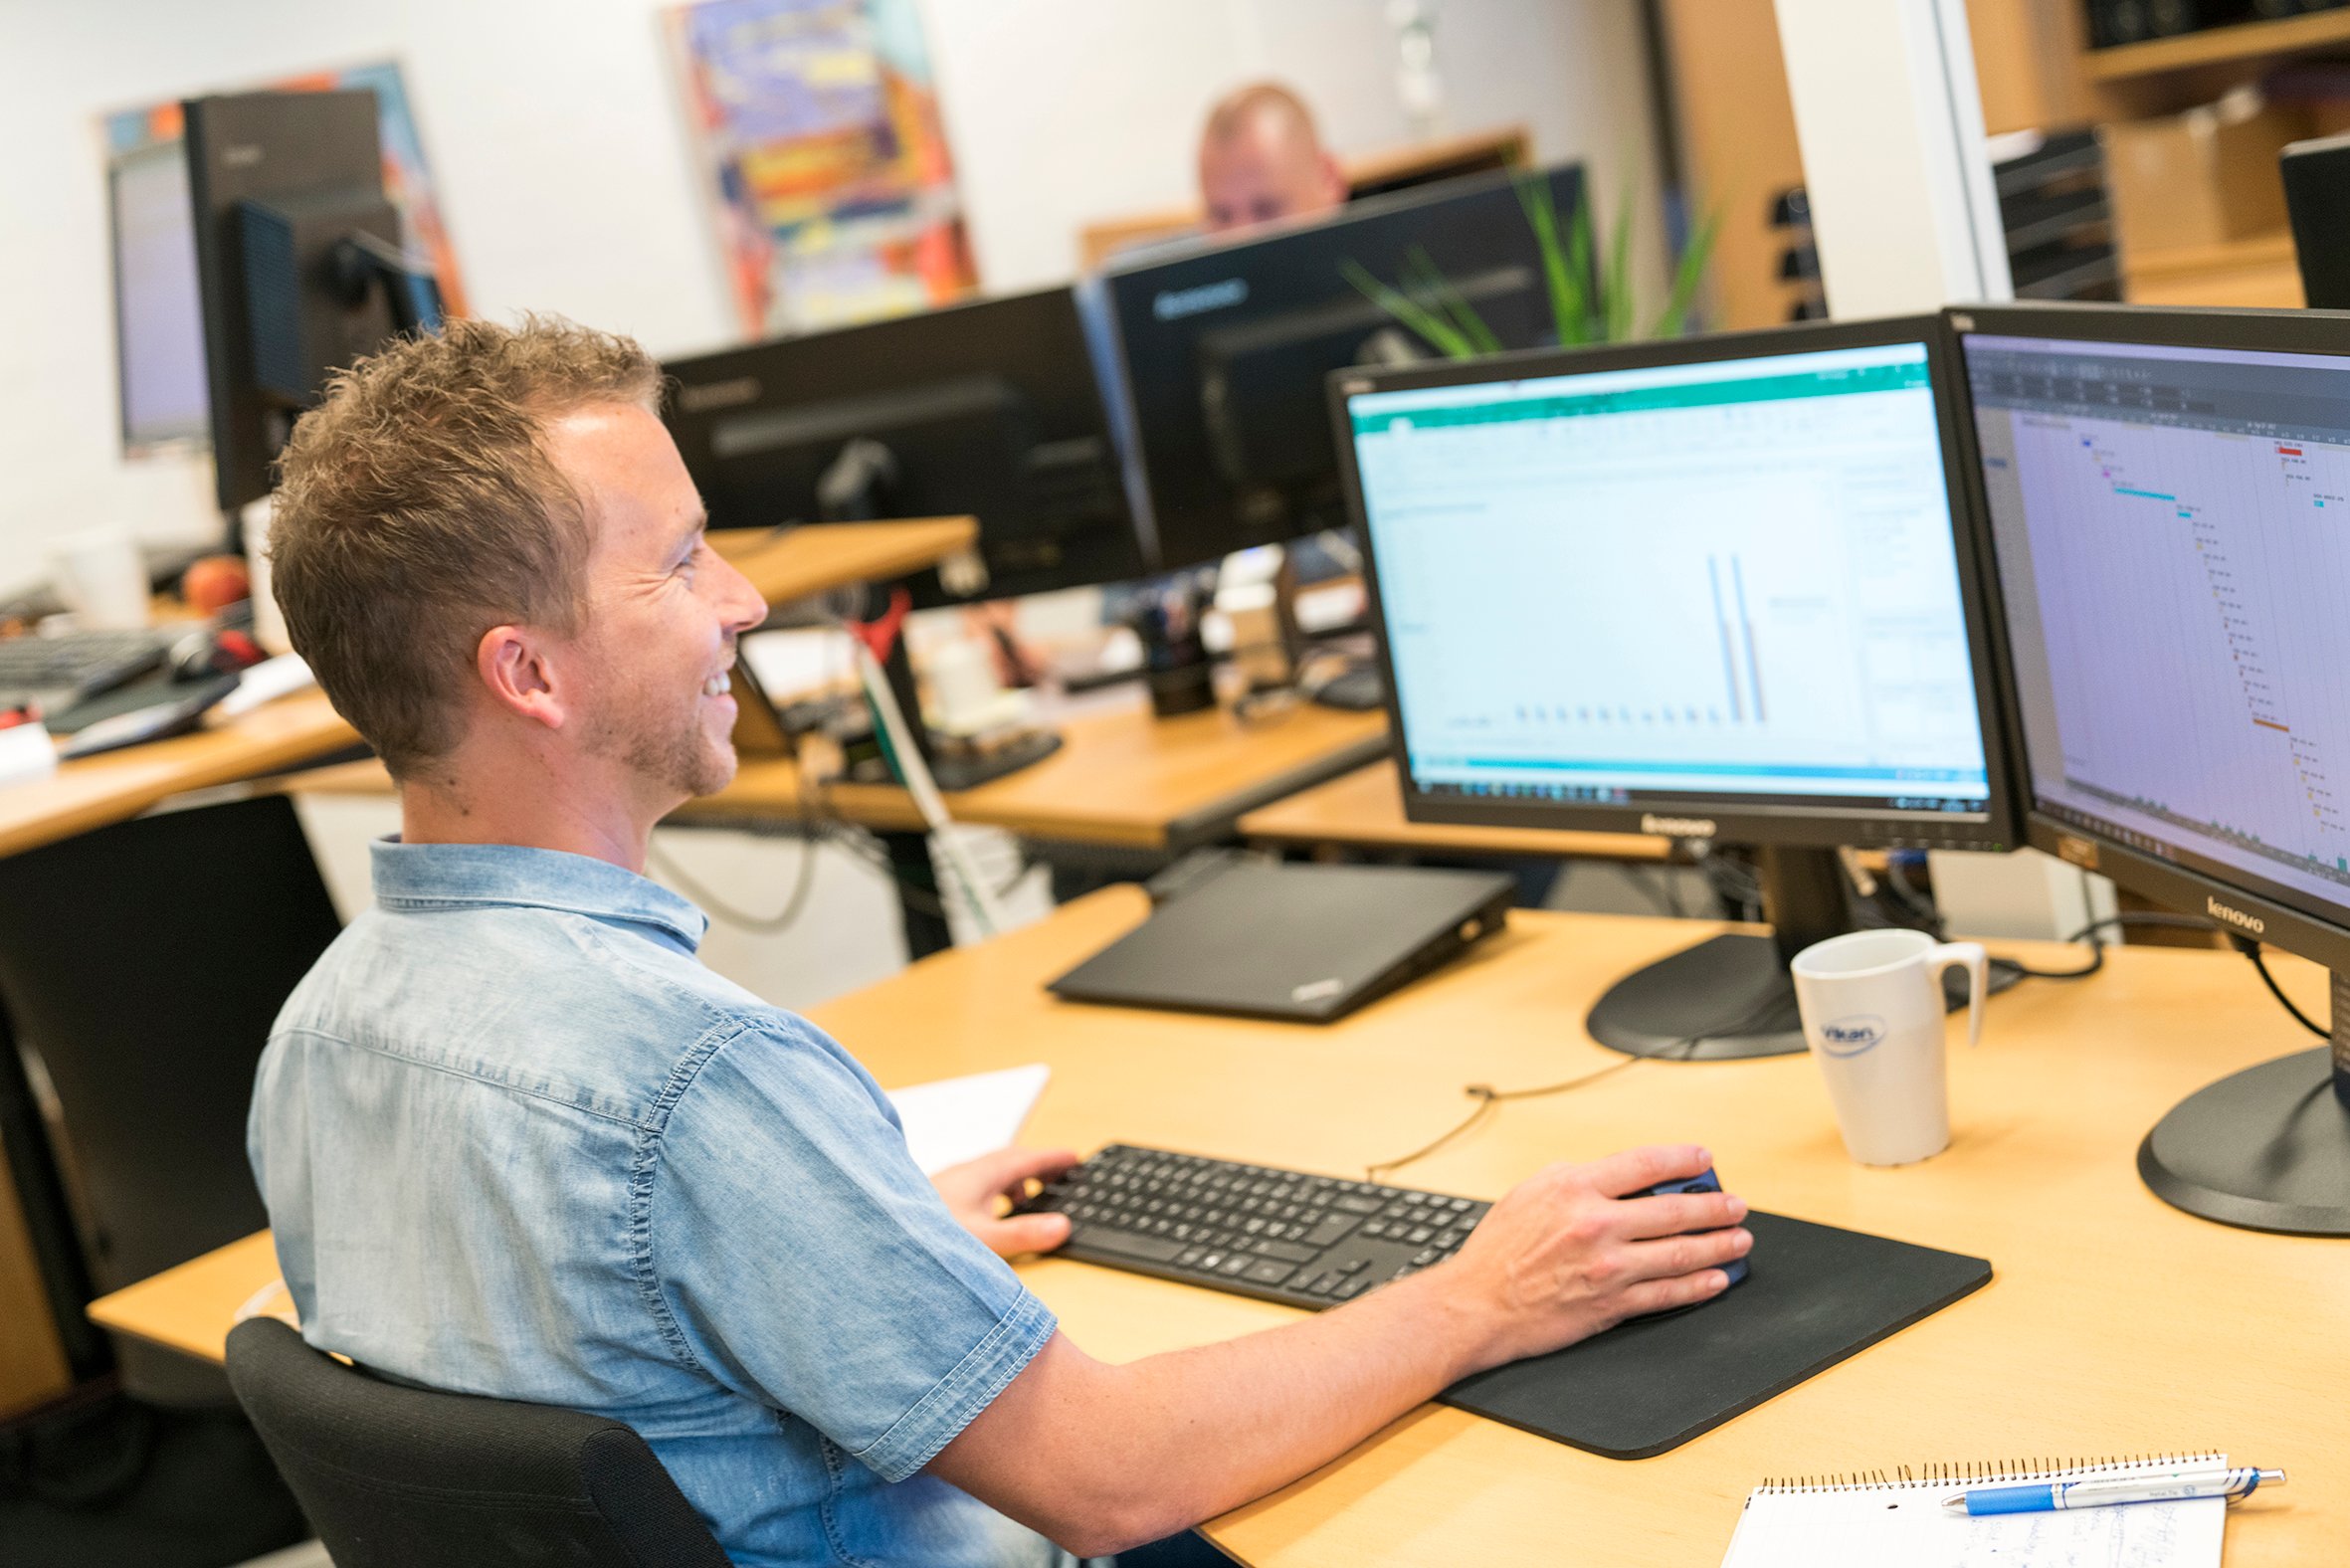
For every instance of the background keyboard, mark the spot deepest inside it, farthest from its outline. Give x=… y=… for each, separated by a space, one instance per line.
x=55 y=672
x=1282 y=1235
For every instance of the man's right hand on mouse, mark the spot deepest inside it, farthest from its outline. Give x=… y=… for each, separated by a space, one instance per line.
x=1566 y=1254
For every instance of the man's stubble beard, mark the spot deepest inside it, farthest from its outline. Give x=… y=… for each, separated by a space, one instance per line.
x=672 y=751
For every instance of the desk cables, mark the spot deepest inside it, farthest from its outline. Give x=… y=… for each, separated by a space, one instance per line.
x=1487 y=1096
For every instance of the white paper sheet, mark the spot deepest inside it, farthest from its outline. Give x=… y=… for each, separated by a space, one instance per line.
x=960 y=1119
x=1903 y=1526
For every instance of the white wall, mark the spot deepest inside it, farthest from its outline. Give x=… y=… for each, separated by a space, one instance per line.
x=554 y=130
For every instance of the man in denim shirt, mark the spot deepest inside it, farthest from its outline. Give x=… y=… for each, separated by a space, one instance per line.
x=516 y=1141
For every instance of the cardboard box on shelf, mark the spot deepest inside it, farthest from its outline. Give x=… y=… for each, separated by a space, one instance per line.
x=2202 y=178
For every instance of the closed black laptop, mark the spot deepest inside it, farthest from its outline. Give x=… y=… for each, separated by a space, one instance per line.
x=1309 y=943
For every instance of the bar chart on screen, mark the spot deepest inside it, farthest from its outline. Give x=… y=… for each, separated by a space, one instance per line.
x=1796 y=622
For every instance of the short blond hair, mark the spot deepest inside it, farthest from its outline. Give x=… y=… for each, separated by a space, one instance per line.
x=418 y=508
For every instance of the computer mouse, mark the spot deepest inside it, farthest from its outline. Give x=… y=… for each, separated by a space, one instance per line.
x=1704 y=1181
x=201 y=656
x=192 y=657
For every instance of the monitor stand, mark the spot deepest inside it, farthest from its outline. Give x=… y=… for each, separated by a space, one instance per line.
x=1730 y=997
x=2267 y=1148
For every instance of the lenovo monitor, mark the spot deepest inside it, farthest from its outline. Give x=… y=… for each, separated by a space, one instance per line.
x=989 y=410
x=1716 y=588
x=2167 y=494
x=1220 y=350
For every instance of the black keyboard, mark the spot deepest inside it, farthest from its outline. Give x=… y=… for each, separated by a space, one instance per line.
x=1284 y=1236
x=55 y=672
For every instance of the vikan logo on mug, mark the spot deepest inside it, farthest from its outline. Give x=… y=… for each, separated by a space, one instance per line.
x=1850 y=1036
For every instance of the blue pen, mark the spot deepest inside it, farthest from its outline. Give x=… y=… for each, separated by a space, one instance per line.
x=2107 y=1490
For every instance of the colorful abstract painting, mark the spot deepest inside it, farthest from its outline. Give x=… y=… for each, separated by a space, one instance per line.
x=835 y=193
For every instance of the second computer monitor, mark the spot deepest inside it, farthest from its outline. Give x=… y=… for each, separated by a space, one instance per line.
x=990 y=410
x=1717 y=589
x=2166 y=492
x=1222 y=349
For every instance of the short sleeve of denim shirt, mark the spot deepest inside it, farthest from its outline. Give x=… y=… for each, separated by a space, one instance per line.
x=794 y=1250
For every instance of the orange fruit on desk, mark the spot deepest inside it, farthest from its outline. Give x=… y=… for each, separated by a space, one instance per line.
x=215 y=582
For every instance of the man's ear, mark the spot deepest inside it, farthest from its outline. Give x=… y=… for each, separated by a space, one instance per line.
x=519 y=668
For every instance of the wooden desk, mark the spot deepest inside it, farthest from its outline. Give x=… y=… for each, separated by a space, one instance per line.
x=192 y=1307
x=2115 y=1322
x=1364 y=810
x=817 y=558
x=1121 y=778
x=119 y=785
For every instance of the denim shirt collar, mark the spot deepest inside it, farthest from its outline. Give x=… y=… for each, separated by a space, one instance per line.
x=419 y=876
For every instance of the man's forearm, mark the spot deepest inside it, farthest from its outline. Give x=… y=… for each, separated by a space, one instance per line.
x=1226 y=1423
x=1154 y=1446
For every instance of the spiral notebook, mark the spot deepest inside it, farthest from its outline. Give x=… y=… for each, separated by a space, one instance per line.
x=1898 y=1523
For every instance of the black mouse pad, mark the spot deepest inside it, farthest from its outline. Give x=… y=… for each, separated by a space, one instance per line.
x=1815 y=1295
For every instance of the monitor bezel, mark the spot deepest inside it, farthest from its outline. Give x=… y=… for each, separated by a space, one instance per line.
x=2162 y=880
x=889 y=342
x=1821 y=826
x=1180 y=542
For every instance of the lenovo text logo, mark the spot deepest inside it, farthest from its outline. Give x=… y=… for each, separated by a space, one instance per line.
x=2236 y=917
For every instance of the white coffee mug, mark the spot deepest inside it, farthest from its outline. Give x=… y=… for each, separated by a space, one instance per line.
x=1871 y=1004
x=102 y=577
x=269 y=621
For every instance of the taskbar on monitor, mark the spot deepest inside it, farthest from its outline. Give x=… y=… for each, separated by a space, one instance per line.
x=2312 y=901
x=1677 y=802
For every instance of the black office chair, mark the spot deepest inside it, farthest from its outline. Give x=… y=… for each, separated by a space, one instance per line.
x=141 y=966
x=393 y=1476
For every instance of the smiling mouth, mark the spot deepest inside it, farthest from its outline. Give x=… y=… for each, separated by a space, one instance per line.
x=719 y=684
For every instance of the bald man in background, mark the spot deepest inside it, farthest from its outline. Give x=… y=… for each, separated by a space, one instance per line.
x=1262 y=161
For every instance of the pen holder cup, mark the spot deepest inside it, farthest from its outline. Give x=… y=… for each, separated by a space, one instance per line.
x=1182 y=688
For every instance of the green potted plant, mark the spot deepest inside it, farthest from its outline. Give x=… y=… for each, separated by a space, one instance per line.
x=1586 y=307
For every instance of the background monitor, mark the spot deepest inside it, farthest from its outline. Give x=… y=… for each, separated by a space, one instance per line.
x=1715 y=588
x=1221 y=351
x=2168 y=493
x=2316 y=177
x=989 y=409
x=158 y=325
x=299 y=263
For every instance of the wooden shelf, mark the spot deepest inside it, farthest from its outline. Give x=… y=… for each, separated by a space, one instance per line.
x=2217 y=46
x=2263 y=272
